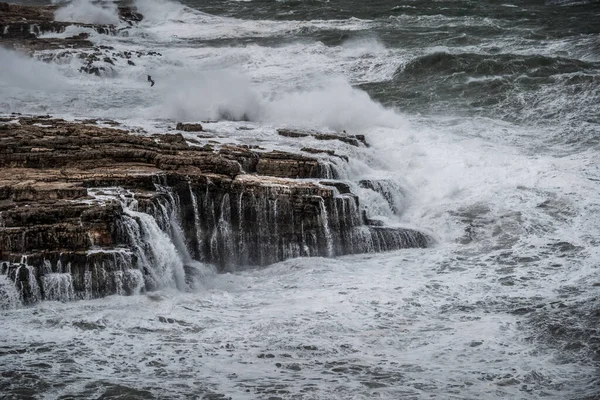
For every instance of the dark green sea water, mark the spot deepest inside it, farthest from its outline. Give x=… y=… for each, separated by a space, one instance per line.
x=535 y=63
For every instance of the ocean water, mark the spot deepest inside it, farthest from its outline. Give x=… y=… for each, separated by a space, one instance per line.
x=485 y=114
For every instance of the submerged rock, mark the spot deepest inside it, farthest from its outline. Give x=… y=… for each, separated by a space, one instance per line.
x=354 y=140
x=189 y=127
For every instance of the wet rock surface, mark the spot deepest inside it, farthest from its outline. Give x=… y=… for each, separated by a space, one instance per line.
x=354 y=140
x=21 y=28
x=189 y=127
x=66 y=233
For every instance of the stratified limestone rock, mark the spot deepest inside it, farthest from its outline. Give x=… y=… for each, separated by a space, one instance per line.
x=66 y=230
x=354 y=140
x=332 y=153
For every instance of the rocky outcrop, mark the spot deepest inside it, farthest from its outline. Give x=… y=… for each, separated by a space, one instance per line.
x=354 y=140
x=21 y=27
x=28 y=22
x=88 y=210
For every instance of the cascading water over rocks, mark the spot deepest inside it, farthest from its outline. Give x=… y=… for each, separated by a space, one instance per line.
x=124 y=213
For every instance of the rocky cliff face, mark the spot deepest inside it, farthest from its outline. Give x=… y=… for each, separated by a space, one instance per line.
x=89 y=210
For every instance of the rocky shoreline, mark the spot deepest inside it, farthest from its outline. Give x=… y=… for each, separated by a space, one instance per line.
x=88 y=209
x=22 y=28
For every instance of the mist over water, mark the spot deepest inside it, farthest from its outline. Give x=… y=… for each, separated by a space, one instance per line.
x=88 y=11
x=484 y=116
x=21 y=72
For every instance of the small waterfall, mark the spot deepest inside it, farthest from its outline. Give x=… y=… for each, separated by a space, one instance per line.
x=374 y=239
x=305 y=240
x=18 y=284
x=58 y=286
x=9 y=295
x=364 y=239
x=156 y=253
x=88 y=283
x=226 y=231
x=328 y=170
x=171 y=210
x=162 y=213
x=197 y=225
x=27 y=283
x=391 y=193
x=222 y=245
x=324 y=217
x=242 y=242
x=169 y=213
x=111 y=271
x=129 y=281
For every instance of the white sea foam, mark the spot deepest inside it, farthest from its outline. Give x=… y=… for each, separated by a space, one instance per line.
x=20 y=71
x=89 y=12
x=396 y=321
x=432 y=322
x=332 y=103
x=169 y=20
x=210 y=95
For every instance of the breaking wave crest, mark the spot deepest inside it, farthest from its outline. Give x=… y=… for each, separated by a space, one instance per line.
x=332 y=104
x=89 y=12
x=485 y=64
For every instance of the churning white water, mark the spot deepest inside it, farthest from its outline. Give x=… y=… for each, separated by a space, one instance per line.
x=503 y=305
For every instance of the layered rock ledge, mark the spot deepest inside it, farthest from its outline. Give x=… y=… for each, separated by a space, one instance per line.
x=88 y=210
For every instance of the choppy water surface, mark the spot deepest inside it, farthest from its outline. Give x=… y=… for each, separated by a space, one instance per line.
x=486 y=114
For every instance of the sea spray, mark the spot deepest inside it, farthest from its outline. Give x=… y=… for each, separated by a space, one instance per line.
x=228 y=95
x=88 y=12
x=21 y=72
x=333 y=104
x=211 y=94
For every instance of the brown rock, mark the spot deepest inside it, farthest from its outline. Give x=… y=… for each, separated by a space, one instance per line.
x=354 y=140
x=236 y=205
x=189 y=127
